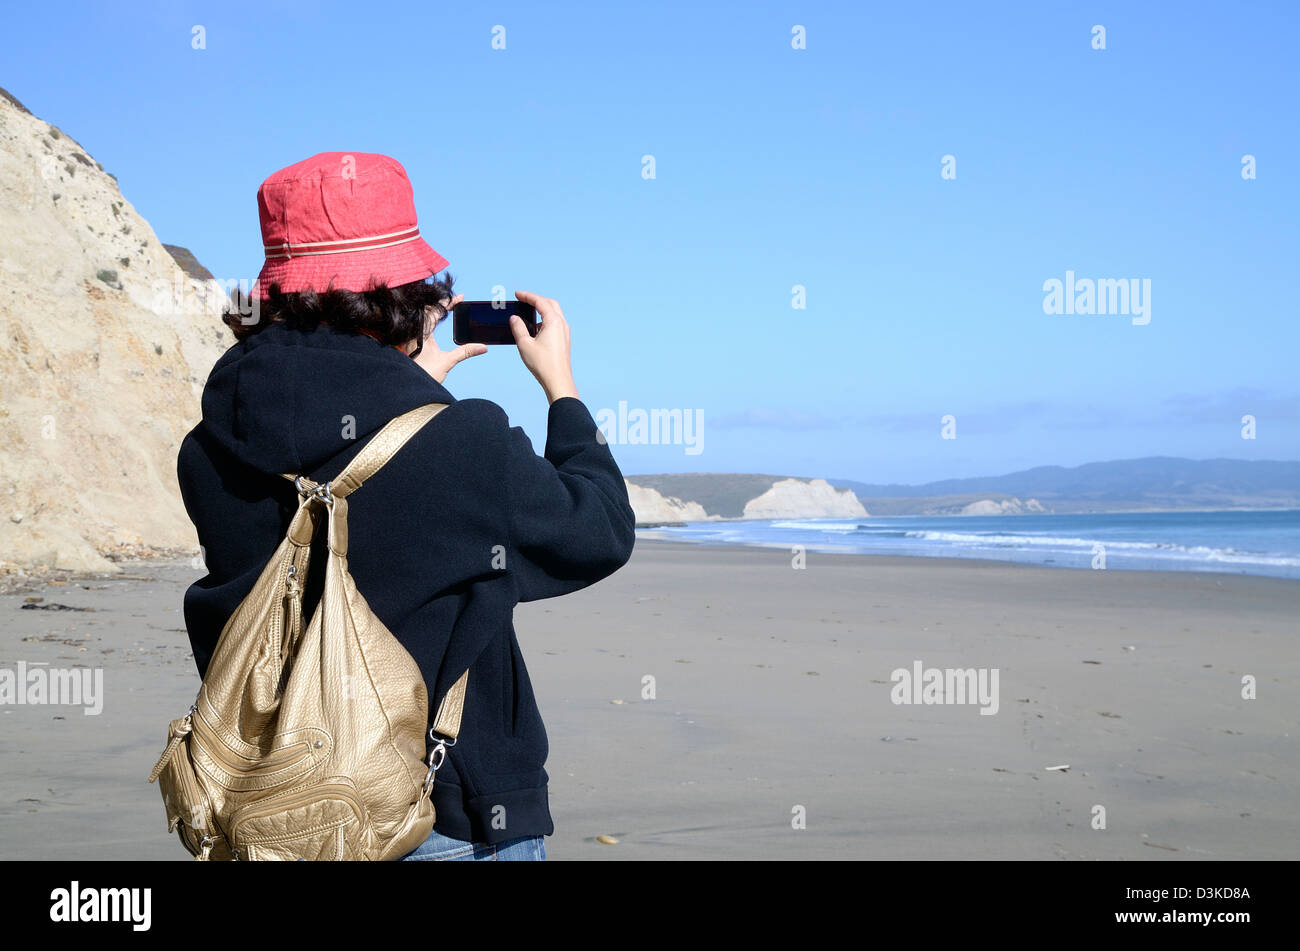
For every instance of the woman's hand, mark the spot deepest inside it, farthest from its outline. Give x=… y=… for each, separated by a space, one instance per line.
x=438 y=363
x=547 y=354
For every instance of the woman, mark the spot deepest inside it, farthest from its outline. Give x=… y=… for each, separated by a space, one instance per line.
x=464 y=522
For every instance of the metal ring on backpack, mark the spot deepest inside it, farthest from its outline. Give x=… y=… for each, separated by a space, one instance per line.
x=320 y=491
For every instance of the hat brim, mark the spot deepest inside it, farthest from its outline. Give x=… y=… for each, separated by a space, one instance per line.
x=351 y=271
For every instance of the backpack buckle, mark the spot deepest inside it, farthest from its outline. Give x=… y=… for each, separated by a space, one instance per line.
x=441 y=740
x=321 y=491
x=437 y=756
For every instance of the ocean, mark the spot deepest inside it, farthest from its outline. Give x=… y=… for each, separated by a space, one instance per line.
x=1239 y=542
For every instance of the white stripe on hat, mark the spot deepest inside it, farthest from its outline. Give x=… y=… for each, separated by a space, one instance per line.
x=287 y=250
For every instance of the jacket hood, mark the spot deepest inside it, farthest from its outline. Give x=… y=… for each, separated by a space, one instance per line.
x=291 y=400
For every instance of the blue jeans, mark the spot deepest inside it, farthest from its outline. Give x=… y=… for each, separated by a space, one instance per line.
x=440 y=848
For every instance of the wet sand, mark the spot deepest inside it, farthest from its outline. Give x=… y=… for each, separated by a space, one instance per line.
x=772 y=700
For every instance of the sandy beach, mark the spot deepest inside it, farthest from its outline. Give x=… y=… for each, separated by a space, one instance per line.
x=772 y=702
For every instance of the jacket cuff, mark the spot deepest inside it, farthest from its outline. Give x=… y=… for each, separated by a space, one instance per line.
x=568 y=422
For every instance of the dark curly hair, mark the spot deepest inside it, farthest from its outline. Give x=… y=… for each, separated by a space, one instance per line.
x=394 y=315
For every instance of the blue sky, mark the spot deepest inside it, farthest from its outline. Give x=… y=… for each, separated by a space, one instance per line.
x=774 y=167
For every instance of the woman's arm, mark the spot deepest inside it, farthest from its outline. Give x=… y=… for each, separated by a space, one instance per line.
x=570 y=520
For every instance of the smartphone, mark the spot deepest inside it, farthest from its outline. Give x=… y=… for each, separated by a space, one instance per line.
x=485 y=321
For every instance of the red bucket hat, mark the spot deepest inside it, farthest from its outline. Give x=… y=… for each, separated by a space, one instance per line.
x=346 y=218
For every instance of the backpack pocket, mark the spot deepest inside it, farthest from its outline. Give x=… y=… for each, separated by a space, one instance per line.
x=242 y=768
x=322 y=823
x=189 y=811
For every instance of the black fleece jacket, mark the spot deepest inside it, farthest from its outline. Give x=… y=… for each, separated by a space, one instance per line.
x=464 y=522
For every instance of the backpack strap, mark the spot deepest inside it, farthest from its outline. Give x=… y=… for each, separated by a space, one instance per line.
x=373 y=457
x=447 y=721
x=376 y=453
x=446 y=724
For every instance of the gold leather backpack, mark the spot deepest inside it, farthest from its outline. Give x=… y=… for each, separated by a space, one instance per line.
x=309 y=744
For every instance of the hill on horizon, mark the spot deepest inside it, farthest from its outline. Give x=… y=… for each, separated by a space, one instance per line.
x=1116 y=485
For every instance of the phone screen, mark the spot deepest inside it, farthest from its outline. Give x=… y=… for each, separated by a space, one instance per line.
x=485 y=321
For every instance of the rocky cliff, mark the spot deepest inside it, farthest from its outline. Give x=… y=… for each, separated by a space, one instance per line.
x=106 y=342
x=700 y=496
x=651 y=507
x=799 y=498
x=1002 y=507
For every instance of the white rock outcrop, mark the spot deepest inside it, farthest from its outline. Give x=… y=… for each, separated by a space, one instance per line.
x=1011 y=506
x=106 y=344
x=651 y=506
x=798 y=498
